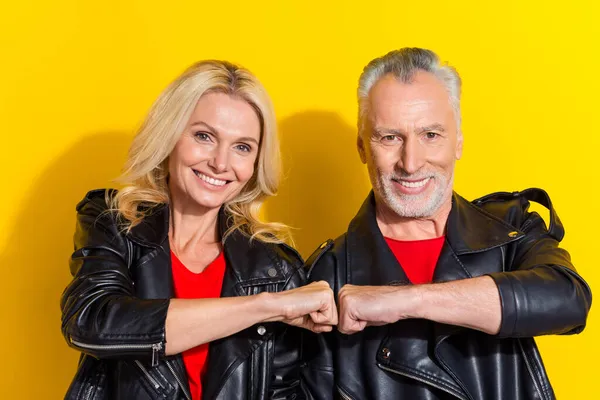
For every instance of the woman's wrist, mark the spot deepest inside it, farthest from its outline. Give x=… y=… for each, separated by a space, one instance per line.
x=269 y=307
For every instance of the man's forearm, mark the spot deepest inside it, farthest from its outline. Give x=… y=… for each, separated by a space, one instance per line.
x=472 y=303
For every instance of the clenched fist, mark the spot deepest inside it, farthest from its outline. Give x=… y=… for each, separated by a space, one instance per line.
x=311 y=307
x=362 y=306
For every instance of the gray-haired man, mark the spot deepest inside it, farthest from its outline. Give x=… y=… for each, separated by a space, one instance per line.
x=439 y=297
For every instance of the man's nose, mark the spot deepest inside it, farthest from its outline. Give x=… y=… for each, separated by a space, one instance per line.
x=412 y=157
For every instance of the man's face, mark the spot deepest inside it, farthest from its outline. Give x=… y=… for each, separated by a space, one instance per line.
x=410 y=143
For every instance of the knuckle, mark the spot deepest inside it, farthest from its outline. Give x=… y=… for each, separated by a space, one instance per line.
x=348 y=301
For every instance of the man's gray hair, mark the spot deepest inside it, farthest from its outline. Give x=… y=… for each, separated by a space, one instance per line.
x=403 y=64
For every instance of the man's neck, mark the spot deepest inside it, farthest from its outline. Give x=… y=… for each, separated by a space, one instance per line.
x=396 y=227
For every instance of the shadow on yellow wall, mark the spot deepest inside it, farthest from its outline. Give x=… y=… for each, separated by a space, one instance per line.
x=321 y=167
x=36 y=264
x=324 y=183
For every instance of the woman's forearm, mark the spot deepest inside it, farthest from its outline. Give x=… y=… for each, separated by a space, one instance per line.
x=192 y=322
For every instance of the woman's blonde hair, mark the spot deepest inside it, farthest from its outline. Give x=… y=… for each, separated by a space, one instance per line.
x=146 y=169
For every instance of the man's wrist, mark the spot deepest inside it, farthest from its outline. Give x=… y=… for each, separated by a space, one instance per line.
x=410 y=301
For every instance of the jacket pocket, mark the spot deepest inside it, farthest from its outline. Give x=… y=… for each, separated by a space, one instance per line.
x=154 y=380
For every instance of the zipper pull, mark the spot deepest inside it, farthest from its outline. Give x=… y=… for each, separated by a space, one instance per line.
x=156 y=348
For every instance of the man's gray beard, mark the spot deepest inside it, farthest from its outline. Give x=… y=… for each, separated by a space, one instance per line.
x=414 y=206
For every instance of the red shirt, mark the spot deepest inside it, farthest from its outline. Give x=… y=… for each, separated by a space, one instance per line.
x=417 y=257
x=189 y=285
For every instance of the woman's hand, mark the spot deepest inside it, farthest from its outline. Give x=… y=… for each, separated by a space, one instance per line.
x=191 y=322
x=311 y=307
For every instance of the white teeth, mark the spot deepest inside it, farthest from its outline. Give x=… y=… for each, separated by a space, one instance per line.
x=414 y=184
x=212 y=181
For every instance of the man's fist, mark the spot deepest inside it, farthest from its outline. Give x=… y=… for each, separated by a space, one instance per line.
x=362 y=306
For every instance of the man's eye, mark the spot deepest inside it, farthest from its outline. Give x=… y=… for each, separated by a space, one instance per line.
x=389 y=138
x=431 y=135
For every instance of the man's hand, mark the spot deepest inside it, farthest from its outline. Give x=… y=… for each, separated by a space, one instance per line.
x=362 y=306
x=471 y=303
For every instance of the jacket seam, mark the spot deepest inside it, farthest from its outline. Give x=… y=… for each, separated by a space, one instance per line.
x=459 y=262
x=150 y=335
x=259 y=281
x=319 y=254
x=514 y=301
x=229 y=371
x=490 y=215
x=497 y=219
x=534 y=371
x=289 y=279
x=446 y=384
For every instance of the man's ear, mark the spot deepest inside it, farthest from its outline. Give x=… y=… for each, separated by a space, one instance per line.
x=360 y=145
x=459 y=145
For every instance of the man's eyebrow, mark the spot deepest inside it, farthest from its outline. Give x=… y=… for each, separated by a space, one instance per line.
x=387 y=131
x=433 y=127
x=390 y=131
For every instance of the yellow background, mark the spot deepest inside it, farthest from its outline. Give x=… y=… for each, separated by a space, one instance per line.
x=76 y=78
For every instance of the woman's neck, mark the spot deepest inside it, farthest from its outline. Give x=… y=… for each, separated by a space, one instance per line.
x=192 y=227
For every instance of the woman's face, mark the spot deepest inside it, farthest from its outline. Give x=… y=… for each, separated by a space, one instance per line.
x=215 y=155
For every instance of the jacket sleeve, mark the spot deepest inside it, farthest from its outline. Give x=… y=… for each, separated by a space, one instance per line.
x=541 y=293
x=318 y=349
x=101 y=316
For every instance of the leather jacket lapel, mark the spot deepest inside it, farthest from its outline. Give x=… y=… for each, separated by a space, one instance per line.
x=246 y=268
x=370 y=260
x=153 y=275
x=471 y=230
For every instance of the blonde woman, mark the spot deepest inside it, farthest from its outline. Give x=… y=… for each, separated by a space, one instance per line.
x=179 y=290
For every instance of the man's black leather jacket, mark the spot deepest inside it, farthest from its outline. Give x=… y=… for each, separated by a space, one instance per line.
x=540 y=291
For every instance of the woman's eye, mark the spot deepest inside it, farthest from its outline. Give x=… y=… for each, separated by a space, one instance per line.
x=244 y=147
x=202 y=136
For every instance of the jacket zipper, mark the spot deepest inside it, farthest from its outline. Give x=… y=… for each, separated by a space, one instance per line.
x=344 y=395
x=187 y=396
x=156 y=348
x=420 y=380
x=150 y=378
x=89 y=393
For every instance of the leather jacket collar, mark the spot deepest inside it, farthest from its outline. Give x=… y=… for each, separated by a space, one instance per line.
x=153 y=232
x=469 y=230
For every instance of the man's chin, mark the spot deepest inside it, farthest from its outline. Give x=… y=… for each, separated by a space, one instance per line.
x=412 y=206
